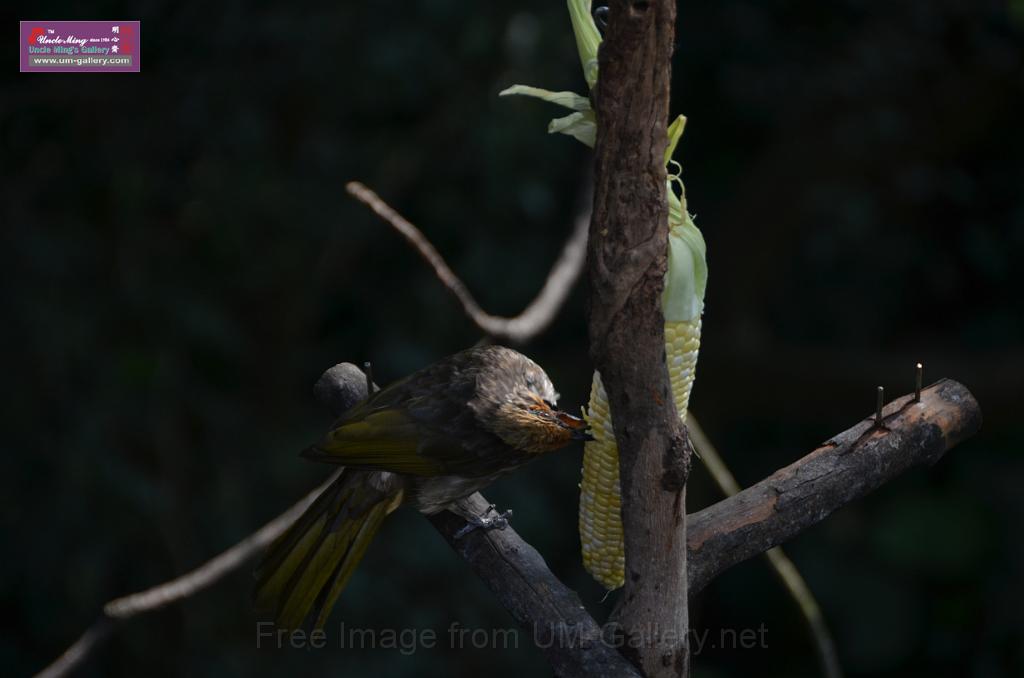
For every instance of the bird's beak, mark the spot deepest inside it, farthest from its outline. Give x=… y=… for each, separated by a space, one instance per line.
x=582 y=434
x=575 y=424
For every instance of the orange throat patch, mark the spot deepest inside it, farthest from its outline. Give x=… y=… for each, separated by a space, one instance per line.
x=527 y=431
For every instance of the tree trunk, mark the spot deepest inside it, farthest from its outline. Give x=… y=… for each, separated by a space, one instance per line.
x=626 y=265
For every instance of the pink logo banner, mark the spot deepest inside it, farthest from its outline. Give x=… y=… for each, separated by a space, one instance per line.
x=80 y=46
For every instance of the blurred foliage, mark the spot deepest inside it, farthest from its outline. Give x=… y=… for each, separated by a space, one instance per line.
x=181 y=263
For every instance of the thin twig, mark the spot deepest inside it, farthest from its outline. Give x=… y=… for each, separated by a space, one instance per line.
x=536 y=317
x=532 y=321
x=76 y=655
x=122 y=609
x=779 y=561
x=776 y=509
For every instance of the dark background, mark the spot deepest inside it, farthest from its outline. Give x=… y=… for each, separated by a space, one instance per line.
x=180 y=263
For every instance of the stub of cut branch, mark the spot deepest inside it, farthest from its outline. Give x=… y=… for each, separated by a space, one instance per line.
x=842 y=470
x=845 y=468
x=769 y=513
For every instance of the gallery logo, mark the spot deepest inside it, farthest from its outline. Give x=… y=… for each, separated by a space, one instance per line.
x=80 y=46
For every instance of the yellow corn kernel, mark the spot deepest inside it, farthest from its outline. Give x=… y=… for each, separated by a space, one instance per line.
x=600 y=517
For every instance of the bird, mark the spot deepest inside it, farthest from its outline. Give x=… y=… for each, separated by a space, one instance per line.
x=426 y=441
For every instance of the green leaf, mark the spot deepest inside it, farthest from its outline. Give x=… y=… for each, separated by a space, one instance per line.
x=569 y=100
x=687 y=275
x=581 y=126
x=588 y=38
x=675 y=132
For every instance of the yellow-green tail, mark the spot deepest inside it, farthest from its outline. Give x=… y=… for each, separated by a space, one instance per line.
x=600 y=515
x=305 y=569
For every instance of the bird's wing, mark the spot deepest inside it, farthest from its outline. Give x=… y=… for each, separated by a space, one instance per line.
x=384 y=439
x=422 y=425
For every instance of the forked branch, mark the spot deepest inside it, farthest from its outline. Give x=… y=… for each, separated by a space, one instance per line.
x=843 y=469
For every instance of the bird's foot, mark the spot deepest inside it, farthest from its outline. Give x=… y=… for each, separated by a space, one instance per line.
x=498 y=522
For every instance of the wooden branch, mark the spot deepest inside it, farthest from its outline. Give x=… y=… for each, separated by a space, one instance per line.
x=845 y=468
x=517 y=575
x=722 y=535
x=528 y=324
x=120 y=610
x=552 y=613
x=626 y=265
x=535 y=318
x=735 y=529
x=781 y=565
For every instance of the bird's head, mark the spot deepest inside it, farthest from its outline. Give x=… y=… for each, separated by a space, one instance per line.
x=528 y=418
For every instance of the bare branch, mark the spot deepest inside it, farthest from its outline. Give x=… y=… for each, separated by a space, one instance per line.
x=842 y=470
x=75 y=656
x=797 y=497
x=535 y=318
x=780 y=563
x=122 y=609
x=517 y=575
x=531 y=322
x=552 y=613
x=767 y=514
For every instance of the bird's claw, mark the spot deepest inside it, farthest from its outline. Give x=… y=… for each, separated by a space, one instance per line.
x=498 y=522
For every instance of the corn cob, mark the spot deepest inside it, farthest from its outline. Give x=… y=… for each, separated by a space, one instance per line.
x=600 y=518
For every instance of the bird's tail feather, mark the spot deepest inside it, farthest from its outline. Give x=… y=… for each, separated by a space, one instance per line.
x=306 y=568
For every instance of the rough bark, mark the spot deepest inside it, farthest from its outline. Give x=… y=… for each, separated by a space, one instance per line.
x=546 y=608
x=515 y=572
x=843 y=469
x=626 y=265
